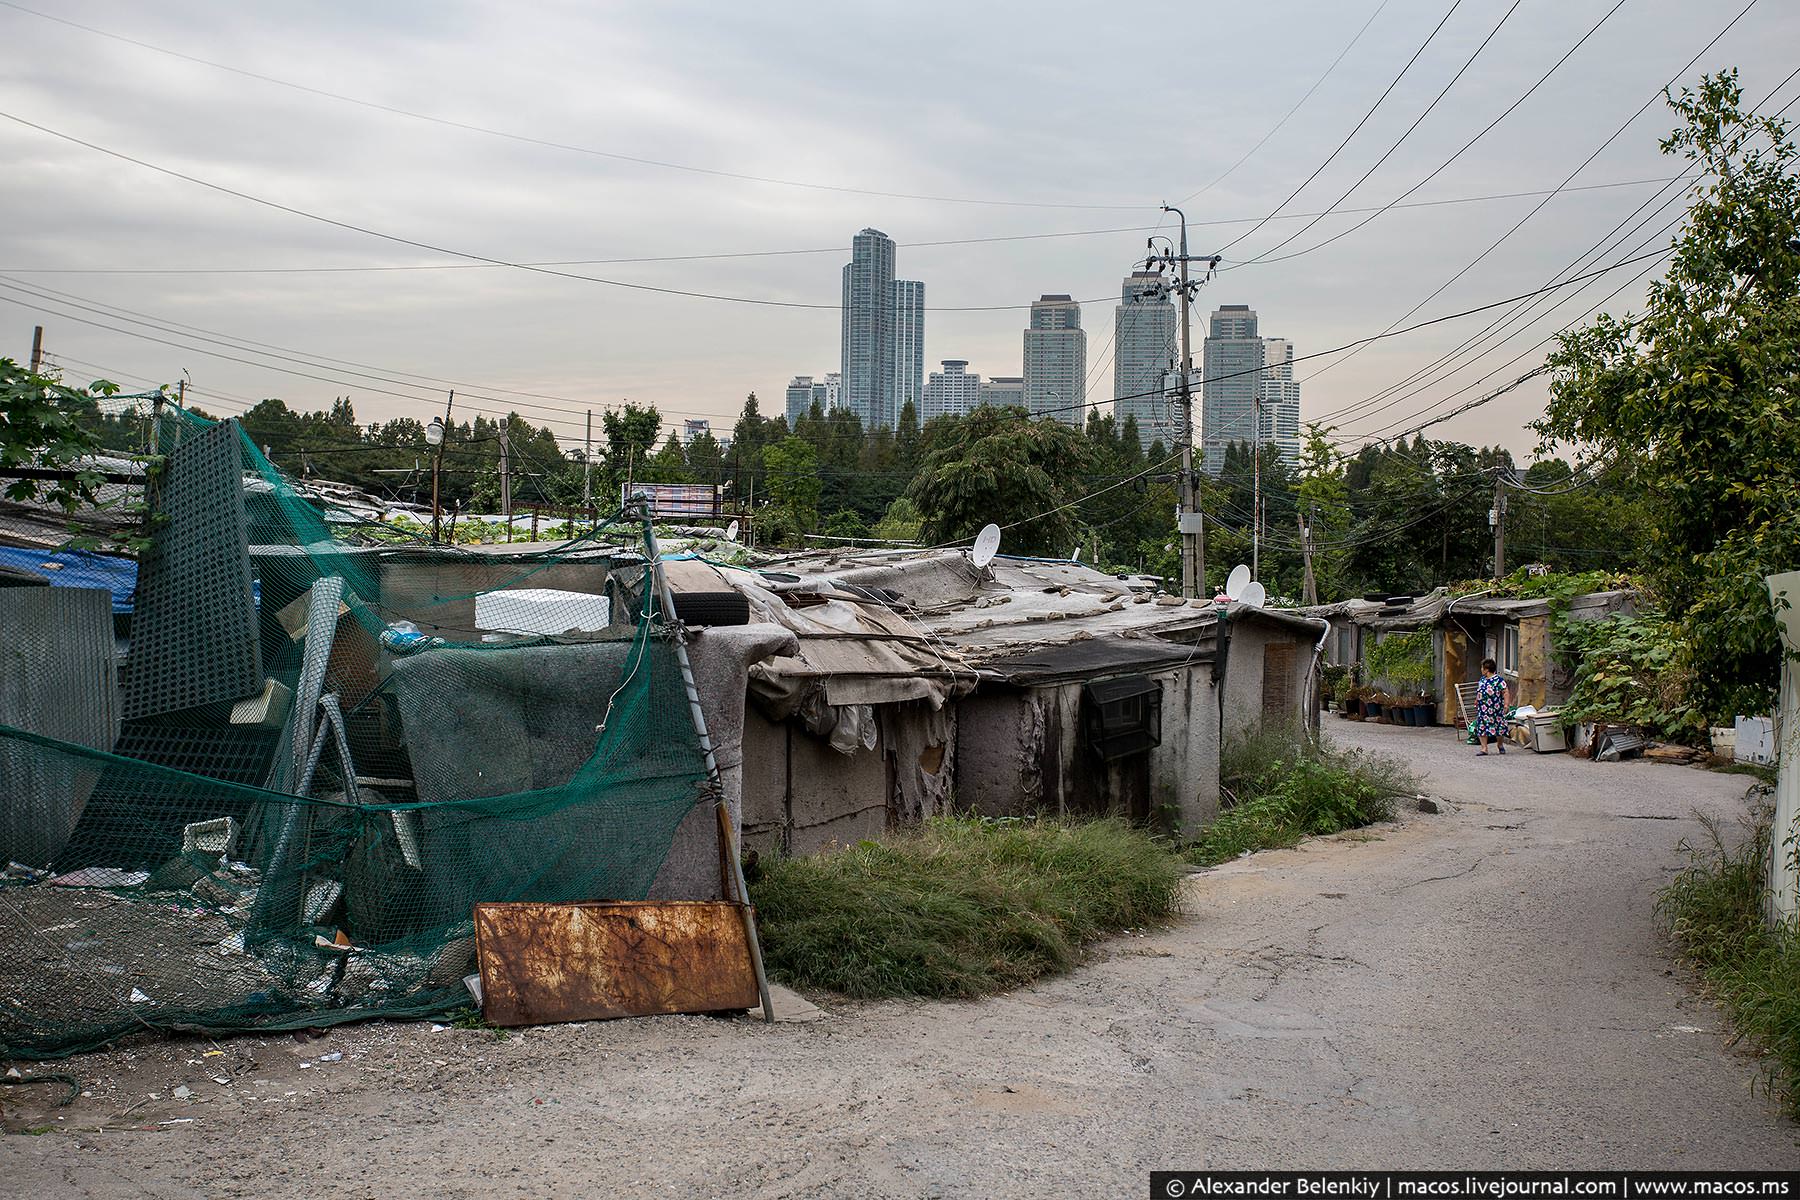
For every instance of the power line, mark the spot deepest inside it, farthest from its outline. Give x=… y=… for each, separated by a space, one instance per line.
x=1387 y=333
x=1276 y=128
x=1330 y=158
x=738 y=254
x=416 y=244
x=1442 y=166
x=547 y=143
x=1614 y=136
x=1593 y=252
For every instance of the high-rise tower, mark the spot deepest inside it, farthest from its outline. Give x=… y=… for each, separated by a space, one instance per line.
x=1056 y=360
x=1143 y=351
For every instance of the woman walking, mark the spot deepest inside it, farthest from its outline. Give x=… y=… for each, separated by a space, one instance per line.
x=1490 y=707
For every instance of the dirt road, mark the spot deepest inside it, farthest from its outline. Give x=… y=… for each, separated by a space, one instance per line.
x=1481 y=988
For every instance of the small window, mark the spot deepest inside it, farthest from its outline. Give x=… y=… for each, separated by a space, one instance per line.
x=1122 y=717
x=1509 y=650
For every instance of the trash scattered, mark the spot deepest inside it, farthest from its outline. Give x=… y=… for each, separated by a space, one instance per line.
x=182 y=1092
x=215 y=837
x=138 y=997
x=334 y=1056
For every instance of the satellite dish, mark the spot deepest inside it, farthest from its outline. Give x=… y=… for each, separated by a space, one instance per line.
x=731 y=532
x=1253 y=594
x=1237 y=581
x=987 y=544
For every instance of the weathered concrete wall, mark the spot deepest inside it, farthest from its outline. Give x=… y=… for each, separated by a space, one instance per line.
x=999 y=759
x=1267 y=670
x=1184 y=770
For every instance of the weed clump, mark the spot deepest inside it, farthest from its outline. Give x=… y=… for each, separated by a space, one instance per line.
x=959 y=906
x=1276 y=789
x=1714 y=910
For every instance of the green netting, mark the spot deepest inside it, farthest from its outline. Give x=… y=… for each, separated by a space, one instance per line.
x=432 y=728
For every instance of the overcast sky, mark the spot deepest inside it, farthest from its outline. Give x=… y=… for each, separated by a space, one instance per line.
x=1056 y=118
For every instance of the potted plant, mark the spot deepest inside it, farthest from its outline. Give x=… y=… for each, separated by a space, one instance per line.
x=1426 y=709
x=1353 y=702
x=1373 y=706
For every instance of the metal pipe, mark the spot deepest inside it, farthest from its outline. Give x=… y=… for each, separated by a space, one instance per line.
x=727 y=836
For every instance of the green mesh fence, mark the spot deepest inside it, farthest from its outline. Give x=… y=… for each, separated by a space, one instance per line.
x=327 y=743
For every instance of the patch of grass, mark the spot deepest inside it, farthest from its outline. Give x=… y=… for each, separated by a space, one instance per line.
x=1765 y=774
x=1276 y=789
x=960 y=906
x=1714 y=909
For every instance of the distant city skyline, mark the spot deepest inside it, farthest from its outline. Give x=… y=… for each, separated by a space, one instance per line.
x=775 y=169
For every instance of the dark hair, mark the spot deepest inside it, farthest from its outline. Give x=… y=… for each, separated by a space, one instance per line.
x=1488 y=664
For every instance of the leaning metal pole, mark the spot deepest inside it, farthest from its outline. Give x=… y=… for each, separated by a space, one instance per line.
x=665 y=600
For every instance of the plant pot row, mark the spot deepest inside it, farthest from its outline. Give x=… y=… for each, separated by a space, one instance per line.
x=1390 y=711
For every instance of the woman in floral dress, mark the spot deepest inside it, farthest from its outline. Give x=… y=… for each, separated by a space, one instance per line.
x=1490 y=707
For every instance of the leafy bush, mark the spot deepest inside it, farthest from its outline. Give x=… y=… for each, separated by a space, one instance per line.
x=1403 y=660
x=959 y=906
x=1714 y=910
x=1631 y=669
x=1277 y=790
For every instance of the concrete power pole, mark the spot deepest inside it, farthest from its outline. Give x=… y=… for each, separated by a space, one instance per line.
x=1309 y=587
x=37 y=349
x=1497 y=518
x=587 y=467
x=506 y=481
x=1190 y=522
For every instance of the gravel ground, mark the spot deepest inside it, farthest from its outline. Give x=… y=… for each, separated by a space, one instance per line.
x=1485 y=987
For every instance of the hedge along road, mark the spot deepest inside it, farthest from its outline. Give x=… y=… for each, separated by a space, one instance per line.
x=1481 y=988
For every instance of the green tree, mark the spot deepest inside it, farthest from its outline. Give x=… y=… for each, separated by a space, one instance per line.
x=1324 y=496
x=1694 y=400
x=999 y=465
x=41 y=427
x=793 y=480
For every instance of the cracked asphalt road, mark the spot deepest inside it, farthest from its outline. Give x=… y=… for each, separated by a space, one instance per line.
x=1481 y=988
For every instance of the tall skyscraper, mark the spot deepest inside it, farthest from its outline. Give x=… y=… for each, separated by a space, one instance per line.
x=867 y=357
x=825 y=394
x=952 y=392
x=1056 y=360
x=909 y=346
x=1144 y=348
x=1003 y=391
x=799 y=397
x=1281 y=399
x=693 y=427
x=883 y=343
x=1232 y=362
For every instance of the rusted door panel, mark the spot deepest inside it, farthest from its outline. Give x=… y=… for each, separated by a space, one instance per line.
x=596 y=960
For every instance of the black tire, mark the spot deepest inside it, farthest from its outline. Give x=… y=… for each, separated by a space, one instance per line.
x=712 y=608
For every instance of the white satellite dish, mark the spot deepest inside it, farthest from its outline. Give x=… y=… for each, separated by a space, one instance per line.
x=1253 y=594
x=731 y=532
x=1237 y=581
x=987 y=544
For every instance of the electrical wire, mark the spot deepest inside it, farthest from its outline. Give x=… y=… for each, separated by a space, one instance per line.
x=1332 y=157
x=1276 y=128
x=547 y=143
x=417 y=244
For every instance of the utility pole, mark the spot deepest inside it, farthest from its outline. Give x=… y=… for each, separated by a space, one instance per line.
x=505 y=479
x=1190 y=522
x=1309 y=593
x=37 y=349
x=1497 y=518
x=587 y=467
x=1256 y=510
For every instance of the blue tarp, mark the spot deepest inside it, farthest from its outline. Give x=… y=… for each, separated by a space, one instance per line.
x=79 y=569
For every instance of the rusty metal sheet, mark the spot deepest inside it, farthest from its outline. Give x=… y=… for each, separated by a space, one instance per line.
x=596 y=960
